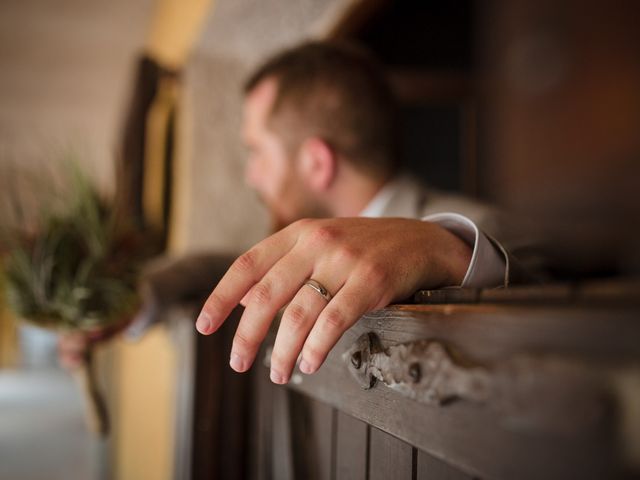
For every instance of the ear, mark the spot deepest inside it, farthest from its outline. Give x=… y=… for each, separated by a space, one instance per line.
x=318 y=164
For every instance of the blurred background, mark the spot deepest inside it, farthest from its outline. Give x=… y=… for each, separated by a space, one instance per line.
x=532 y=105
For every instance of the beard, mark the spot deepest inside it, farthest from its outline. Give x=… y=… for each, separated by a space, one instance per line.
x=293 y=206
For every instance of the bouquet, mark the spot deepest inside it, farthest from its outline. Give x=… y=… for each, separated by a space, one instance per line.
x=76 y=271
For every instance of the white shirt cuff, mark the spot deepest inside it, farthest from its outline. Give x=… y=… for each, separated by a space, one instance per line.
x=488 y=265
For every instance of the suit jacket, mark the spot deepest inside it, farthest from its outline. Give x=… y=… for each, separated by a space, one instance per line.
x=514 y=237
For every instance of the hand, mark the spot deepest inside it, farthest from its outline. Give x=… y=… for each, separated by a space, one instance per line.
x=364 y=263
x=74 y=345
x=72 y=348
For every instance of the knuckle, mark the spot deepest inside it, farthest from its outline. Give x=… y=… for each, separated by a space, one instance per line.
x=262 y=293
x=313 y=355
x=213 y=306
x=348 y=254
x=375 y=274
x=244 y=342
x=324 y=235
x=246 y=262
x=334 y=320
x=296 y=316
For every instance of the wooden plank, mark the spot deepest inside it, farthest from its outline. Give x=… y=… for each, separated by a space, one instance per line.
x=184 y=335
x=549 y=294
x=221 y=408
x=282 y=455
x=613 y=291
x=207 y=406
x=430 y=468
x=447 y=295
x=467 y=434
x=389 y=457
x=236 y=394
x=261 y=440
x=352 y=448
x=323 y=426
x=621 y=292
x=312 y=437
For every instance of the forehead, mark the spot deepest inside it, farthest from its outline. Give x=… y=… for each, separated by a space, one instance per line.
x=258 y=103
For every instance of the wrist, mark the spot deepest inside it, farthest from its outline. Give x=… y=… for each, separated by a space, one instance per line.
x=451 y=256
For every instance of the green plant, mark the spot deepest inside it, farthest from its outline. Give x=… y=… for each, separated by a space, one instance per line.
x=78 y=269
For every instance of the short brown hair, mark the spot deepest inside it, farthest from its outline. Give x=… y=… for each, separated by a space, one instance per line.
x=336 y=91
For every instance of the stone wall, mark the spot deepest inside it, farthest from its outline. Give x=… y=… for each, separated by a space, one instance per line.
x=216 y=211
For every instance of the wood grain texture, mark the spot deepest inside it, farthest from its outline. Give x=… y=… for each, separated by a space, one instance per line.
x=430 y=468
x=281 y=451
x=221 y=409
x=389 y=457
x=312 y=437
x=261 y=437
x=352 y=448
x=615 y=292
x=475 y=438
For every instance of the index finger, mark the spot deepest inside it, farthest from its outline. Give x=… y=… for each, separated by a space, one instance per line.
x=245 y=271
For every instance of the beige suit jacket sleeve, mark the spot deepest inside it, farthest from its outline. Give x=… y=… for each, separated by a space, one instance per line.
x=518 y=241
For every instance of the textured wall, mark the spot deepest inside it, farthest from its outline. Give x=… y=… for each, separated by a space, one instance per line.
x=64 y=80
x=220 y=213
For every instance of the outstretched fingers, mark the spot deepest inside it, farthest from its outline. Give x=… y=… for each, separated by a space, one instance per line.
x=272 y=292
x=245 y=272
x=295 y=325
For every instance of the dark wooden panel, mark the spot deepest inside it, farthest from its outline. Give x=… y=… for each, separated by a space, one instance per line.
x=352 y=448
x=447 y=295
x=282 y=454
x=221 y=409
x=209 y=365
x=312 y=437
x=261 y=439
x=615 y=292
x=546 y=294
x=389 y=457
x=324 y=422
x=430 y=468
x=185 y=337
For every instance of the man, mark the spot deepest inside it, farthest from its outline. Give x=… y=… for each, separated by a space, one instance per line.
x=320 y=126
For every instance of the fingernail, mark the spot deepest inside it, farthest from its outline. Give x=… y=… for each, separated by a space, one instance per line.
x=277 y=378
x=203 y=323
x=305 y=367
x=236 y=362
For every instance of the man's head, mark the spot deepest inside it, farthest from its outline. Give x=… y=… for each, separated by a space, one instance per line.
x=312 y=113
